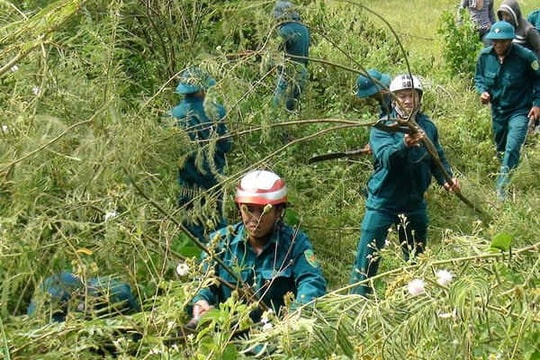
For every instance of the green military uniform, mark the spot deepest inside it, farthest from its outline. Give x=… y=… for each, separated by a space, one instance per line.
x=286 y=265
x=295 y=38
x=514 y=87
x=400 y=178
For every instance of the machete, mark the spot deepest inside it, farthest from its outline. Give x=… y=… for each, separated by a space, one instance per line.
x=338 y=155
x=393 y=127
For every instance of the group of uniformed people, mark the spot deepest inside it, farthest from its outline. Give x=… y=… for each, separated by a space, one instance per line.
x=273 y=259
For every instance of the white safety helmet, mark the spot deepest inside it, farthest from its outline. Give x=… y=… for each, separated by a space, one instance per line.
x=261 y=187
x=405 y=82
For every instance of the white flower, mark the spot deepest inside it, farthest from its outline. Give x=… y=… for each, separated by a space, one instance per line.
x=416 y=287
x=5 y=129
x=444 y=277
x=155 y=351
x=267 y=327
x=110 y=215
x=387 y=243
x=452 y=314
x=265 y=316
x=14 y=68
x=182 y=269
x=36 y=90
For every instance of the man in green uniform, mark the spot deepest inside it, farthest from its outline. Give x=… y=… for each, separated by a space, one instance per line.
x=271 y=257
x=295 y=36
x=508 y=77
x=199 y=172
x=403 y=169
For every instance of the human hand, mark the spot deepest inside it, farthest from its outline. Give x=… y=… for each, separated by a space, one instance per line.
x=485 y=98
x=414 y=139
x=534 y=113
x=199 y=309
x=454 y=187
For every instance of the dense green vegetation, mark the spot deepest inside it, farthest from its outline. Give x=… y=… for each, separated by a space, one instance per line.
x=88 y=178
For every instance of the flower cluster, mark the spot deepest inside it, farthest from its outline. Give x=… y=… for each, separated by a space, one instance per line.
x=418 y=286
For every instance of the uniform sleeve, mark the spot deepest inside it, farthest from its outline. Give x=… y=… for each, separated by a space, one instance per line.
x=479 y=81
x=435 y=170
x=179 y=112
x=310 y=282
x=385 y=148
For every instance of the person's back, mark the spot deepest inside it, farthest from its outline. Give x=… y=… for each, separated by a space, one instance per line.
x=192 y=117
x=295 y=37
x=296 y=40
x=201 y=166
x=526 y=34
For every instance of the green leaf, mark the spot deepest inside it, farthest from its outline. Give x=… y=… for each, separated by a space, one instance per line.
x=502 y=241
x=230 y=353
x=185 y=246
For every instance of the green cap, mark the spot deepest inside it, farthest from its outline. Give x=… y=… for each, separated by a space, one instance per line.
x=371 y=83
x=501 y=30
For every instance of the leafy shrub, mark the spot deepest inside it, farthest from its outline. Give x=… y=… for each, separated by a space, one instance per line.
x=460 y=44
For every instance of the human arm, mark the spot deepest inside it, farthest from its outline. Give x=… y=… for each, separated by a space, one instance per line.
x=535 y=73
x=388 y=148
x=480 y=83
x=439 y=168
x=309 y=280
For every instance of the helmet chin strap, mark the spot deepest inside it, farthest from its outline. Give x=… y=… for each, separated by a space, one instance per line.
x=403 y=114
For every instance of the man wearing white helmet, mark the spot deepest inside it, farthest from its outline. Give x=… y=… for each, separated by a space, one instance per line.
x=273 y=258
x=403 y=169
x=202 y=121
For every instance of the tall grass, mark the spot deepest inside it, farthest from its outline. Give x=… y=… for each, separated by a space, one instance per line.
x=85 y=142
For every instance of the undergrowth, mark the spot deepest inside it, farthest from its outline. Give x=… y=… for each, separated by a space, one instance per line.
x=88 y=181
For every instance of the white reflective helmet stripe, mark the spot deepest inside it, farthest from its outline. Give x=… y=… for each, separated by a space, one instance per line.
x=269 y=197
x=261 y=187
